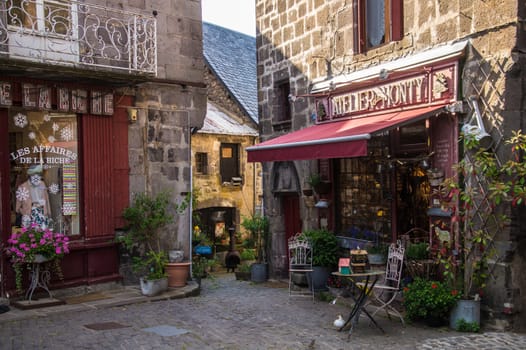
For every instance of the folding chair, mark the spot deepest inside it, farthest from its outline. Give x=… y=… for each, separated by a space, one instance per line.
x=300 y=262
x=383 y=294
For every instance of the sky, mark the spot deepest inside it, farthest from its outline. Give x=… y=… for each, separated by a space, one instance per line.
x=238 y=15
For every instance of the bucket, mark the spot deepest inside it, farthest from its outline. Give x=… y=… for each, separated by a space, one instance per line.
x=258 y=272
x=467 y=310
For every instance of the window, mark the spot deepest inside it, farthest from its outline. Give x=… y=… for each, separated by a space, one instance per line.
x=201 y=163
x=378 y=22
x=41 y=15
x=282 y=106
x=44 y=177
x=229 y=166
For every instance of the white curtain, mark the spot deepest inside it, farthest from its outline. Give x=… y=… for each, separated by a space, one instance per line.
x=375 y=17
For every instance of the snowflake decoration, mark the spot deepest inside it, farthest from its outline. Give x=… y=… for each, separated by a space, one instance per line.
x=22 y=194
x=20 y=120
x=46 y=117
x=55 y=127
x=32 y=135
x=66 y=134
x=54 y=188
x=51 y=138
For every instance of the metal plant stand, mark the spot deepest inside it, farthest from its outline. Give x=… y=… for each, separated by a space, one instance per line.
x=40 y=277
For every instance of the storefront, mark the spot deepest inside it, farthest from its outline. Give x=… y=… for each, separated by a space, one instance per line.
x=380 y=135
x=64 y=162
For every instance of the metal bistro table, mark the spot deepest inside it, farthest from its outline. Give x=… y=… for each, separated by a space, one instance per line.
x=366 y=284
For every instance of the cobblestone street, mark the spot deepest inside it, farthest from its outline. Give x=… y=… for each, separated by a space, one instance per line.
x=231 y=314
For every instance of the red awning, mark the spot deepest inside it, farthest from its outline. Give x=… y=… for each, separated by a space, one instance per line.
x=342 y=139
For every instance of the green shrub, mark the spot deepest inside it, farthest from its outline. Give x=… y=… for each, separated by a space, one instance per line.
x=425 y=299
x=324 y=247
x=248 y=254
x=464 y=326
x=417 y=251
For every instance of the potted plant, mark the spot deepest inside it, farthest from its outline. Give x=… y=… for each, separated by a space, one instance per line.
x=33 y=244
x=377 y=253
x=429 y=301
x=199 y=266
x=146 y=216
x=319 y=184
x=324 y=256
x=243 y=272
x=473 y=199
x=418 y=262
x=258 y=227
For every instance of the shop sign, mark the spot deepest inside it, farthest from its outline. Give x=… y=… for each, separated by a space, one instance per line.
x=430 y=86
x=54 y=155
x=68 y=100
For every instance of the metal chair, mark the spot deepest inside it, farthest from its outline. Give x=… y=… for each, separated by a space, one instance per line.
x=383 y=294
x=300 y=263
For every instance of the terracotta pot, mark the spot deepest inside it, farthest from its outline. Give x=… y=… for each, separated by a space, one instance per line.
x=178 y=274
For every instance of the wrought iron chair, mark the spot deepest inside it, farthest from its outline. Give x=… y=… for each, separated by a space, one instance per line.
x=384 y=293
x=300 y=263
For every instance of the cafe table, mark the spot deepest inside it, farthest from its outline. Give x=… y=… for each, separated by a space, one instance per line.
x=365 y=282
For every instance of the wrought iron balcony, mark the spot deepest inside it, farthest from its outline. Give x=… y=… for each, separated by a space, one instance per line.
x=75 y=33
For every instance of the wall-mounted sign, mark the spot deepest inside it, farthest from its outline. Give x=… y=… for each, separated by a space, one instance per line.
x=96 y=102
x=30 y=95
x=63 y=99
x=108 y=104
x=79 y=101
x=432 y=85
x=44 y=97
x=5 y=94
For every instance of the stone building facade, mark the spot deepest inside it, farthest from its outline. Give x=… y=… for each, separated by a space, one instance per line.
x=229 y=186
x=124 y=105
x=323 y=53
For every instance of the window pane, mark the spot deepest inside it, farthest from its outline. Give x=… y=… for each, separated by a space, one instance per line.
x=375 y=22
x=56 y=14
x=44 y=170
x=22 y=14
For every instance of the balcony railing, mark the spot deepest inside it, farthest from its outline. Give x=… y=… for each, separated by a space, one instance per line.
x=78 y=34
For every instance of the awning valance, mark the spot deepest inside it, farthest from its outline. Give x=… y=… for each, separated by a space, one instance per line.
x=342 y=139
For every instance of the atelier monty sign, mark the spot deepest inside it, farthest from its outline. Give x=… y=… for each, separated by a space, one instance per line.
x=431 y=86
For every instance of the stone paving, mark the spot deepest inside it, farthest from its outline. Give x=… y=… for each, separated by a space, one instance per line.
x=228 y=314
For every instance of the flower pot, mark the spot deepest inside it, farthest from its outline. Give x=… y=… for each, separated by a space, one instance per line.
x=176 y=256
x=39 y=259
x=467 y=310
x=259 y=272
x=151 y=288
x=376 y=259
x=318 y=278
x=177 y=274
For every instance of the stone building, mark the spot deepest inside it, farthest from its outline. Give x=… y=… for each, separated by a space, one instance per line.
x=102 y=97
x=229 y=187
x=371 y=96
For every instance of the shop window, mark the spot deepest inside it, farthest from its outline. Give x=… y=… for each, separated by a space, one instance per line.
x=379 y=22
x=201 y=163
x=44 y=170
x=412 y=139
x=229 y=166
x=283 y=115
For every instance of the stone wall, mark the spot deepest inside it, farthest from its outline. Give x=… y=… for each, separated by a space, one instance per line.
x=212 y=192
x=168 y=106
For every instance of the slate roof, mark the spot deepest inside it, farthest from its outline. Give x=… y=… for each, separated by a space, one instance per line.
x=220 y=121
x=232 y=57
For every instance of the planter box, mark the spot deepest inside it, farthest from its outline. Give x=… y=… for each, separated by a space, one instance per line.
x=151 y=288
x=353 y=243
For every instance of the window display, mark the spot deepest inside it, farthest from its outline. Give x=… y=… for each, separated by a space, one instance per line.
x=44 y=170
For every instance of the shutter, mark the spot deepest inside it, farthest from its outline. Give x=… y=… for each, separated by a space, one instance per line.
x=97 y=151
x=121 y=167
x=397 y=20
